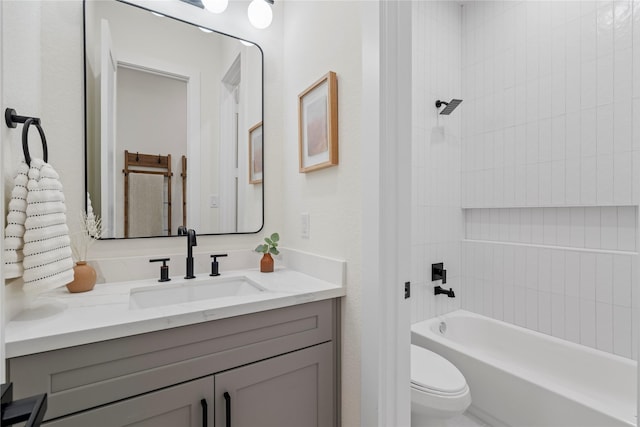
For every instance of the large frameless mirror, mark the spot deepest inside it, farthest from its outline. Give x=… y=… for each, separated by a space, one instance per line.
x=173 y=125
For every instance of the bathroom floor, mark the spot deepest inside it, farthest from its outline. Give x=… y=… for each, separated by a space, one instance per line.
x=466 y=420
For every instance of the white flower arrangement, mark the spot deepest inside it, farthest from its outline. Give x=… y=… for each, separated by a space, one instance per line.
x=90 y=230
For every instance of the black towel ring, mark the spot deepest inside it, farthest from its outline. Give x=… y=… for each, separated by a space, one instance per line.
x=12 y=120
x=25 y=139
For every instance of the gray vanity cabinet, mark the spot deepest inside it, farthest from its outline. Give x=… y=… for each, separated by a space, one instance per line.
x=279 y=367
x=293 y=390
x=175 y=406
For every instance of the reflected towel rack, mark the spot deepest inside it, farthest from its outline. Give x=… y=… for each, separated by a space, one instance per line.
x=12 y=119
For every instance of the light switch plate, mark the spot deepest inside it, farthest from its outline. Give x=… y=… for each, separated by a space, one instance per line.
x=214 y=201
x=304 y=225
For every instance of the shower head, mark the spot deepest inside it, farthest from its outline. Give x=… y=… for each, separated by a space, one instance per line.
x=450 y=106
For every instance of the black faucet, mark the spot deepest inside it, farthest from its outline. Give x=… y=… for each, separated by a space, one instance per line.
x=439 y=290
x=191 y=242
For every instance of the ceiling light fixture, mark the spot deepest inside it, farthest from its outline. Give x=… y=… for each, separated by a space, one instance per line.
x=259 y=11
x=215 y=6
x=260 y=14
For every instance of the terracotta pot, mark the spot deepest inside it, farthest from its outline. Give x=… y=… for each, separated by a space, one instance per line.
x=266 y=264
x=84 y=278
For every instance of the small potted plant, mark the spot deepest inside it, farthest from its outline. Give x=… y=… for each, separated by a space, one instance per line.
x=84 y=275
x=269 y=247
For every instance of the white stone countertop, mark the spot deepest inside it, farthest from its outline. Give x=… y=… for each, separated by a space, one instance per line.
x=58 y=319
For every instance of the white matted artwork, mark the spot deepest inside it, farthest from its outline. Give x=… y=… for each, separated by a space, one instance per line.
x=318 y=124
x=255 y=154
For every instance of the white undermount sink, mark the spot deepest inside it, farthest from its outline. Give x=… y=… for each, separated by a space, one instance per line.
x=187 y=291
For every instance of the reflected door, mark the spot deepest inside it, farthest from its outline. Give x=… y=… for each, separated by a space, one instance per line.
x=109 y=70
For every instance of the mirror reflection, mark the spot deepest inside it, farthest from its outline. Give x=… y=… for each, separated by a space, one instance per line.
x=173 y=125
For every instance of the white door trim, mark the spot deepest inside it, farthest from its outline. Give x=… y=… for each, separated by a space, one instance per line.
x=385 y=396
x=192 y=78
x=228 y=221
x=108 y=93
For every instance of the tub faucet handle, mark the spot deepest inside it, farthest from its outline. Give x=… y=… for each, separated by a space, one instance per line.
x=438 y=272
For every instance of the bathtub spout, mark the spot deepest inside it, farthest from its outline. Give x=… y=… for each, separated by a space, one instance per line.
x=439 y=290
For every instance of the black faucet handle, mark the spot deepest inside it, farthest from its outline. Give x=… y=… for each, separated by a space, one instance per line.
x=214 y=264
x=438 y=272
x=164 y=269
x=182 y=230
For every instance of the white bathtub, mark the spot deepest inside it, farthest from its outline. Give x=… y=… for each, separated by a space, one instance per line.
x=520 y=377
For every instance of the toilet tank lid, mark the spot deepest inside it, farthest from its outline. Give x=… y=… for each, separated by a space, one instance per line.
x=433 y=372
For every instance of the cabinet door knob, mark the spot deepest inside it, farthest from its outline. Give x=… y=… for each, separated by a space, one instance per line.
x=205 y=412
x=227 y=404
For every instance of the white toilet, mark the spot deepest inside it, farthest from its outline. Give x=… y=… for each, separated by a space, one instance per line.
x=439 y=391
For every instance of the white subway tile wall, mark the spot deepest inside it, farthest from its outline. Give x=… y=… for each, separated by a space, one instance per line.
x=550 y=156
x=582 y=295
x=437 y=221
x=542 y=231
x=609 y=228
x=550 y=114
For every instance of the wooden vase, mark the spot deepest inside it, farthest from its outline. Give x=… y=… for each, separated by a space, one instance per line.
x=266 y=264
x=84 y=278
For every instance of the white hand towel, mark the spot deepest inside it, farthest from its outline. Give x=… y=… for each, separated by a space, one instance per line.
x=46 y=250
x=14 y=233
x=146 y=205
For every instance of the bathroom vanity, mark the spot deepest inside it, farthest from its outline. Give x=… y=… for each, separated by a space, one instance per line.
x=275 y=365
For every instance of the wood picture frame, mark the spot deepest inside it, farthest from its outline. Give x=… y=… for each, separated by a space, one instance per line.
x=318 y=124
x=255 y=154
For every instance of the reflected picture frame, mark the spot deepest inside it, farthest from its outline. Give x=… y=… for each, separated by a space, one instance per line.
x=318 y=124
x=255 y=154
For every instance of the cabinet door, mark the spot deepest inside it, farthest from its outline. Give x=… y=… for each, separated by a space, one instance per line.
x=177 y=406
x=292 y=390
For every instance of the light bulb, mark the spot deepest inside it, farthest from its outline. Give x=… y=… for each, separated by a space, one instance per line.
x=260 y=14
x=215 y=6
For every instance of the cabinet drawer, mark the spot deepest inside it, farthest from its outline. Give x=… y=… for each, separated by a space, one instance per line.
x=82 y=377
x=178 y=406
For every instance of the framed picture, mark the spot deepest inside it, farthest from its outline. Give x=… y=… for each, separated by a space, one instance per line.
x=255 y=154
x=318 y=124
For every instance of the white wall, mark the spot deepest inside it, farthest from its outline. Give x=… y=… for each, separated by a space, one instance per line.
x=566 y=272
x=550 y=167
x=549 y=104
x=436 y=222
x=43 y=71
x=333 y=196
x=22 y=90
x=322 y=36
